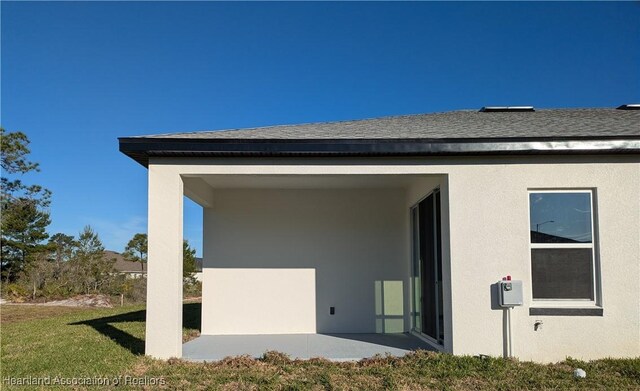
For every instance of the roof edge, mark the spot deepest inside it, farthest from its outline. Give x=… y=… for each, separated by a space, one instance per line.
x=141 y=149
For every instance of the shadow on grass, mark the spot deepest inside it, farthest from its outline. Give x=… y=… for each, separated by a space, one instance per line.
x=191 y=313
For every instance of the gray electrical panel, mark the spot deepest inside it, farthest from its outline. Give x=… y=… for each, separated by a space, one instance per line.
x=510 y=294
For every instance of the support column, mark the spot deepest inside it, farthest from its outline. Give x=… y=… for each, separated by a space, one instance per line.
x=164 y=272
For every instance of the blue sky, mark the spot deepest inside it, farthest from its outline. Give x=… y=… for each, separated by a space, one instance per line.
x=75 y=76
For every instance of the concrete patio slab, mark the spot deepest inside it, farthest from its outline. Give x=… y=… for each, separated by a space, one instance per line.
x=334 y=347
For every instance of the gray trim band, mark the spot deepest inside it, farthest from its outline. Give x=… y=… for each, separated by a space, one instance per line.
x=566 y=311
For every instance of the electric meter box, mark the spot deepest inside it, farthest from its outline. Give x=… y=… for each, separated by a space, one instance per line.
x=510 y=293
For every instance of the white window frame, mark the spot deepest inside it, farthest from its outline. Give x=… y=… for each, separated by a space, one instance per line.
x=570 y=303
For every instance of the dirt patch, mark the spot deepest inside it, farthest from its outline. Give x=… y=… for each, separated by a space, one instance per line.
x=101 y=301
x=97 y=301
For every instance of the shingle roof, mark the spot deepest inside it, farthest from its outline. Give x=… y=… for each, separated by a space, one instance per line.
x=454 y=124
x=550 y=131
x=121 y=264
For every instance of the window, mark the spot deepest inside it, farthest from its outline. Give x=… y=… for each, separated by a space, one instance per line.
x=562 y=245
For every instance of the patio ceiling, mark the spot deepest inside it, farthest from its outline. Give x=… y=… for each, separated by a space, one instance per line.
x=200 y=188
x=308 y=181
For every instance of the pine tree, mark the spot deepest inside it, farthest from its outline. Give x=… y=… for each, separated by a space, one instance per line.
x=136 y=250
x=24 y=208
x=89 y=262
x=188 y=260
x=61 y=246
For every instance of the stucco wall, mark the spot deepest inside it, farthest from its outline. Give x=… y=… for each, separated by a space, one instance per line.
x=488 y=238
x=259 y=301
x=353 y=239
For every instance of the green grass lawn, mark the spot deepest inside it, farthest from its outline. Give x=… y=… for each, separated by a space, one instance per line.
x=70 y=342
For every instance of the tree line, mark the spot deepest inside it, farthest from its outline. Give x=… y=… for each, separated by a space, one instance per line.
x=36 y=264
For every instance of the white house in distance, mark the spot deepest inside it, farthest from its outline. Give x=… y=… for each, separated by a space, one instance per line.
x=122 y=266
x=404 y=224
x=136 y=270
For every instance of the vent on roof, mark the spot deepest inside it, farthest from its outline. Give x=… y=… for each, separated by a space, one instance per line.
x=506 y=109
x=634 y=106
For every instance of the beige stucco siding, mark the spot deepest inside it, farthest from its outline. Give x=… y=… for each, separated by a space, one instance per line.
x=352 y=238
x=490 y=239
x=163 y=337
x=259 y=300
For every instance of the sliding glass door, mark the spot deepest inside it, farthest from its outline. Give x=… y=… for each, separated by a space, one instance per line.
x=427 y=268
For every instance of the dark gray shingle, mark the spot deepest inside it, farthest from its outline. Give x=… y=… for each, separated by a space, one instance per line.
x=449 y=125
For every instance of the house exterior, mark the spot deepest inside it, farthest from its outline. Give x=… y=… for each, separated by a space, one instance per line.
x=136 y=270
x=407 y=224
x=198 y=273
x=122 y=266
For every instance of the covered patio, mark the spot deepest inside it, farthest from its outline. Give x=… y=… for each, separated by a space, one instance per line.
x=310 y=264
x=334 y=347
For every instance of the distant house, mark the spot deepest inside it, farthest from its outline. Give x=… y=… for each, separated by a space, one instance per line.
x=198 y=274
x=135 y=270
x=403 y=225
x=122 y=266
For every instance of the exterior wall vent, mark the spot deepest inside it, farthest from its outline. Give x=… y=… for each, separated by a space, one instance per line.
x=633 y=106
x=506 y=109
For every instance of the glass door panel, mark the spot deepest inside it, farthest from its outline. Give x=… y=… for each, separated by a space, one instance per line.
x=427 y=267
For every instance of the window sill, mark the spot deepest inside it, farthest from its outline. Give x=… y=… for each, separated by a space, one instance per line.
x=558 y=311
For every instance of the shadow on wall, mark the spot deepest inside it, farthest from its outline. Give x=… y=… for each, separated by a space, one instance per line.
x=191 y=313
x=389 y=302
